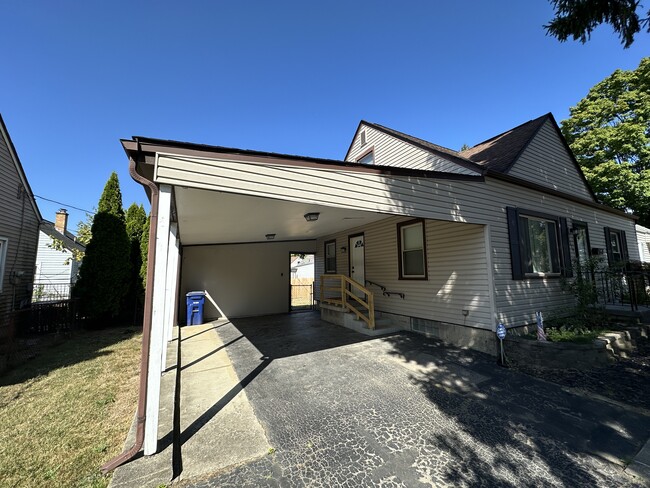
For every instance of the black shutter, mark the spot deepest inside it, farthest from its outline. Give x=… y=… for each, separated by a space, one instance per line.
x=515 y=245
x=626 y=256
x=566 y=250
x=608 y=245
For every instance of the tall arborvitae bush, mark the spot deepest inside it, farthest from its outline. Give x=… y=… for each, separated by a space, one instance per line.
x=144 y=250
x=135 y=220
x=104 y=275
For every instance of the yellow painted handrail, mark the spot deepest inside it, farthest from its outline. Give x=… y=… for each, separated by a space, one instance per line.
x=347 y=298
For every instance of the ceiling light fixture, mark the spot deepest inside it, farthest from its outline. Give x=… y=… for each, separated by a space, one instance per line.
x=270 y=237
x=311 y=216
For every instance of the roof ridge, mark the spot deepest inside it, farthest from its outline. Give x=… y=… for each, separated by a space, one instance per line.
x=546 y=115
x=443 y=148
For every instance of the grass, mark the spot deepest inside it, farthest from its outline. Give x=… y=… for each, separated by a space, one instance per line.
x=67 y=411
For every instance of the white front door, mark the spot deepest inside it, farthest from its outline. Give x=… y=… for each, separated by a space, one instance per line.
x=357 y=259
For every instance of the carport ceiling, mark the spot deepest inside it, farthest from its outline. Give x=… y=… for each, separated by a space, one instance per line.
x=211 y=217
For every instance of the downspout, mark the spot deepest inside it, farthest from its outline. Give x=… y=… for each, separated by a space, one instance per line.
x=146 y=325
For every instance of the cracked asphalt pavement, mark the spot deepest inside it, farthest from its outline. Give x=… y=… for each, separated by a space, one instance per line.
x=342 y=409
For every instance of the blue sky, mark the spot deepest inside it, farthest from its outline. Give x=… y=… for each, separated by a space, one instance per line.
x=291 y=77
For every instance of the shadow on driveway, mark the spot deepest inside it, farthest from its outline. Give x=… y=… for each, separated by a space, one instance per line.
x=342 y=409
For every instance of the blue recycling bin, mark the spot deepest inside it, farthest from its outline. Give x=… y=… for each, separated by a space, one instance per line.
x=195 y=301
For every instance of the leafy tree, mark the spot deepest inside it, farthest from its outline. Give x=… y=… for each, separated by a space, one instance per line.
x=609 y=132
x=578 y=18
x=84 y=232
x=135 y=220
x=104 y=273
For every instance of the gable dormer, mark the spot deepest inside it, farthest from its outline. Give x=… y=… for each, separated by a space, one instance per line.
x=536 y=152
x=379 y=145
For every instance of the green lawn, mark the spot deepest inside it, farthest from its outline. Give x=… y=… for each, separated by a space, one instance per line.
x=67 y=411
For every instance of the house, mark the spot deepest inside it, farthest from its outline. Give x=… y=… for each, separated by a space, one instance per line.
x=440 y=242
x=19 y=221
x=303 y=267
x=643 y=241
x=56 y=267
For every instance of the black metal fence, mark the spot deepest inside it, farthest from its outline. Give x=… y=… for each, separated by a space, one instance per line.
x=623 y=287
x=24 y=332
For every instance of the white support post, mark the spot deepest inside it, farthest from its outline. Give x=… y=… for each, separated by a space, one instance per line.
x=170 y=288
x=157 y=340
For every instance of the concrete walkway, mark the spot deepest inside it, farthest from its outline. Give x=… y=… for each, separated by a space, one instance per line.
x=213 y=428
x=218 y=428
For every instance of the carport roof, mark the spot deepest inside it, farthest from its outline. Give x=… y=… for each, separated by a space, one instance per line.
x=139 y=145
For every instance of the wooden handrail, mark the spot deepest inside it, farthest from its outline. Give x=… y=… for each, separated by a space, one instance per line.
x=348 y=299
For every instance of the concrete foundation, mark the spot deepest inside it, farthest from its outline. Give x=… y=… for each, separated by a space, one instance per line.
x=478 y=339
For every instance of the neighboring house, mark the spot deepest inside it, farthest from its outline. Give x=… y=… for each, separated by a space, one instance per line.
x=303 y=267
x=56 y=269
x=643 y=241
x=19 y=220
x=449 y=243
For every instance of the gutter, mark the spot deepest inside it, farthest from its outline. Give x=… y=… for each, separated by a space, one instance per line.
x=146 y=324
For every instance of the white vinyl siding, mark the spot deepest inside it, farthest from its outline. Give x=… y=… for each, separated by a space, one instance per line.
x=546 y=162
x=390 y=151
x=457 y=271
x=55 y=270
x=19 y=224
x=643 y=241
x=414 y=197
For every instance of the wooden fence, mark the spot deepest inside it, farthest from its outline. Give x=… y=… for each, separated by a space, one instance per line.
x=302 y=292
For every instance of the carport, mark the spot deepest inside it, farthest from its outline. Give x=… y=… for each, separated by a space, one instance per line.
x=225 y=221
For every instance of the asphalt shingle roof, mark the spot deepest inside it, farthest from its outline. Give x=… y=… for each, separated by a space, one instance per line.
x=69 y=240
x=500 y=152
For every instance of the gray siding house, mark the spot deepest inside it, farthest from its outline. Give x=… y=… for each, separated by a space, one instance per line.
x=19 y=222
x=56 y=268
x=437 y=241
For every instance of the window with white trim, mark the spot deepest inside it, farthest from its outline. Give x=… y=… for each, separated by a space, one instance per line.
x=3 y=258
x=542 y=253
x=412 y=250
x=368 y=158
x=330 y=256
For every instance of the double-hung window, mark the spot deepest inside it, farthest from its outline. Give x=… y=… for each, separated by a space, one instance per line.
x=330 y=256
x=412 y=250
x=539 y=244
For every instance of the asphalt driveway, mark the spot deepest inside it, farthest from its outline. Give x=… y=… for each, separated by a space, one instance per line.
x=342 y=409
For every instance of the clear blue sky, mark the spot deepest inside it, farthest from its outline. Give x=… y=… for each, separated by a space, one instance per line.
x=291 y=77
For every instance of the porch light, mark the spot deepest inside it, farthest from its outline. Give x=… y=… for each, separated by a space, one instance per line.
x=270 y=237
x=311 y=216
